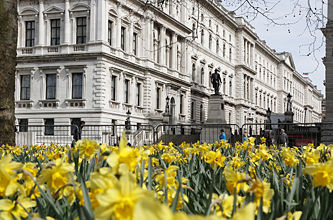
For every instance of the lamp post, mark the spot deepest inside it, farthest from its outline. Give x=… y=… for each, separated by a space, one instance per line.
x=167 y=105
x=128 y=122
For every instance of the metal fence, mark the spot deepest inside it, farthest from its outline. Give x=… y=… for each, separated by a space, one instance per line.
x=192 y=133
x=298 y=133
x=137 y=135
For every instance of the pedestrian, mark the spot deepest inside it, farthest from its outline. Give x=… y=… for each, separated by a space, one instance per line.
x=78 y=133
x=222 y=135
x=283 y=138
x=244 y=136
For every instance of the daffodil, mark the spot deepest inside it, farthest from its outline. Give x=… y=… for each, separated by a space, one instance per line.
x=87 y=148
x=57 y=176
x=322 y=174
x=11 y=210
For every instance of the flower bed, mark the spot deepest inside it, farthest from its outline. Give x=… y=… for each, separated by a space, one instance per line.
x=161 y=181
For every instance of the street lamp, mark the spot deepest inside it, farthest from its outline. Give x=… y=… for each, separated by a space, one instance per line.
x=128 y=122
x=167 y=105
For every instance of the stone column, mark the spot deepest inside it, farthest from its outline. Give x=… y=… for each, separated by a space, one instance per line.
x=102 y=22
x=118 y=32
x=67 y=27
x=173 y=51
x=41 y=25
x=162 y=45
x=130 y=39
x=93 y=23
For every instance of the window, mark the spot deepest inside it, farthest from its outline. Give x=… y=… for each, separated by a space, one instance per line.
x=51 y=82
x=192 y=110
x=49 y=126
x=230 y=87
x=23 y=125
x=217 y=46
x=110 y=24
x=81 y=30
x=77 y=84
x=181 y=111
x=193 y=30
x=210 y=41
x=113 y=88
x=210 y=23
x=201 y=113
x=126 y=90
x=202 y=36
x=25 y=87
x=30 y=33
x=223 y=51
x=230 y=54
x=202 y=17
x=75 y=122
x=135 y=38
x=122 y=38
x=193 y=72
x=202 y=75
x=138 y=94
x=224 y=85
x=55 y=31
x=158 y=97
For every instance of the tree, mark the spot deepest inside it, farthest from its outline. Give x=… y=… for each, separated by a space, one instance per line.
x=8 y=43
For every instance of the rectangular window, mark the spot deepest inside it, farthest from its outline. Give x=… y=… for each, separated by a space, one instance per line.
x=49 y=126
x=158 y=97
x=113 y=88
x=138 y=94
x=30 y=33
x=25 y=87
x=55 y=31
x=135 y=35
x=77 y=84
x=81 y=30
x=75 y=123
x=23 y=125
x=122 y=38
x=126 y=91
x=51 y=83
x=181 y=104
x=110 y=24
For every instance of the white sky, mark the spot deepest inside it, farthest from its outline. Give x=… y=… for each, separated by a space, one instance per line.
x=290 y=38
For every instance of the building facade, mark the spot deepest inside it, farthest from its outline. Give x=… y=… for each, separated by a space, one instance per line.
x=95 y=60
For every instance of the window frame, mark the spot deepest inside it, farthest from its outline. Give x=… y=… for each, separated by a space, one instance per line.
x=126 y=91
x=81 y=30
x=57 y=28
x=51 y=126
x=27 y=89
x=30 y=42
x=113 y=87
x=123 y=38
x=110 y=31
x=74 y=86
x=54 y=86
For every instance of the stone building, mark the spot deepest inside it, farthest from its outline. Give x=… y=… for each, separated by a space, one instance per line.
x=94 y=60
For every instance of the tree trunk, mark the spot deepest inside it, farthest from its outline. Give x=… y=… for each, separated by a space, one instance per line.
x=8 y=43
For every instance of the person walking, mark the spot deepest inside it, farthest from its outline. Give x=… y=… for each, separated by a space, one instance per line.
x=222 y=135
x=77 y=133
x=244 y=136
x=283 y=138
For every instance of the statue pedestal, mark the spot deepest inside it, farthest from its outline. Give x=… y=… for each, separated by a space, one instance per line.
x=215 y=121
x=216 y=114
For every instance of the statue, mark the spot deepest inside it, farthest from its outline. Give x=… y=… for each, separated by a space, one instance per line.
x=216 y=81
x=289 y=107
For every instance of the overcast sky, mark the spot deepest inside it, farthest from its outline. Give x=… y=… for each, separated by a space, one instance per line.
x=290 y=38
